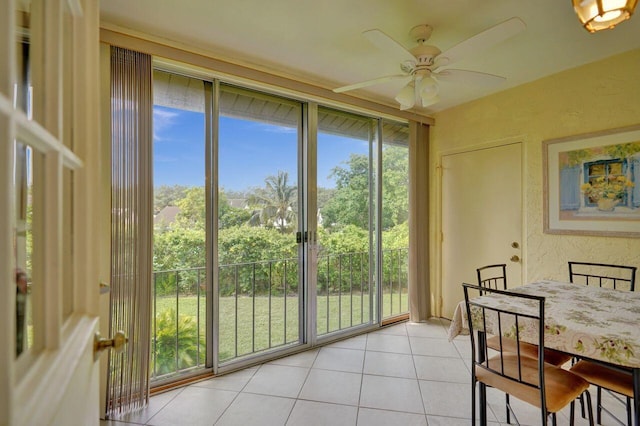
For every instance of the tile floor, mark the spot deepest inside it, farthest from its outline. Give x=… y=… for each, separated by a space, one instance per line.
x=405 y=374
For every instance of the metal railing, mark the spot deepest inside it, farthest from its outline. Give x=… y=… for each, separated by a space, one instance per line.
x=259 y=306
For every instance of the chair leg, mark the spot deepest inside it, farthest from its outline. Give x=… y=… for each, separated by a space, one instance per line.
x=572 y=415
x=473 y=401
x=554 y=419
x=589 y=407
x=507 y=407
x=599 y=405
x=628 y=411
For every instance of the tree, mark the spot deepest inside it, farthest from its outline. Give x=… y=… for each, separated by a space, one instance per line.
x=275 y=203
x=166 y=195
x=395 y=186
x=350 y=203
x=228 y=215
x=192 y=209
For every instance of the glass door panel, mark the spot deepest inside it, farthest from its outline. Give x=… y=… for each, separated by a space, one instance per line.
x=346 y=293
x=179 y=325
x=395 y=219
x=259 y=267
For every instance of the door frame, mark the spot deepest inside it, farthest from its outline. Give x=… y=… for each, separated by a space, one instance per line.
x=55 y=381
x=437 y=241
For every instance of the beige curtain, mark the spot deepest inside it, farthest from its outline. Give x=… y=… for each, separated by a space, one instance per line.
x=419 y=290
x=131 y=228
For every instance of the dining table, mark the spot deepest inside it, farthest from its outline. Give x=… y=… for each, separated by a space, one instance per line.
x=590 y=322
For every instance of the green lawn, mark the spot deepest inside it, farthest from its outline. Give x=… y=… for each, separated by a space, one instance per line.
x=254 y=332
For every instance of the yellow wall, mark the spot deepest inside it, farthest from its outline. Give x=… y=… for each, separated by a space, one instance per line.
x=598 y=96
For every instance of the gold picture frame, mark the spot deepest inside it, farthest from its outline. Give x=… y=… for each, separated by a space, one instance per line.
x=592 y=183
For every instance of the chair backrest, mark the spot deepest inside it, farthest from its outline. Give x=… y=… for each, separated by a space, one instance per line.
x=618 y=277
x=493 y=276
x=509 y=317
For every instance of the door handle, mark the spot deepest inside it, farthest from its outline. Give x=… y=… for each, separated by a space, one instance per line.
x=515 y=258
x=100 y=343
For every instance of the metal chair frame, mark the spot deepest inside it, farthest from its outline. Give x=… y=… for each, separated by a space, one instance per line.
x=490 y=276
x=627 y=276
x=591 y=277
x=481 y=359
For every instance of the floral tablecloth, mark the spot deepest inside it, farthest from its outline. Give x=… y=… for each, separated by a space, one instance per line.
x=587 y=321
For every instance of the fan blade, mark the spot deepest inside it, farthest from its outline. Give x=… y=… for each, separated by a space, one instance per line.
x=465 y=76
x=371 y=82
x=389 y=45
x=481 y=41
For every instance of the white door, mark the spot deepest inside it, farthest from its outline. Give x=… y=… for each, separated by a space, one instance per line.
x=49 y=141
x=481 y=217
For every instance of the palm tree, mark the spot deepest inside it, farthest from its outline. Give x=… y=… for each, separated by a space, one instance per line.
x=275 y=203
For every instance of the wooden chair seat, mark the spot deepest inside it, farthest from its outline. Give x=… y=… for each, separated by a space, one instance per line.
x=608 y=378
x=561 y=386
x=551 y=356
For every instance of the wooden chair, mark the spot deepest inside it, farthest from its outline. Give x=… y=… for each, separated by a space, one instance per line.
x=614 y=380
x=531 y=380
x=495 y=277
x=618 y=277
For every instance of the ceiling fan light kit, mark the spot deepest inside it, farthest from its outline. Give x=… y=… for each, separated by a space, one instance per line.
x=597 y=15
x=424 y=66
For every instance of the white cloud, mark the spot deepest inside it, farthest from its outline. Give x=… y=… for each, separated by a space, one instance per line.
x=162 y=120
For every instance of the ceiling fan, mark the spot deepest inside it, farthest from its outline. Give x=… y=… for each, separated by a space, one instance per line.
x=423 y=66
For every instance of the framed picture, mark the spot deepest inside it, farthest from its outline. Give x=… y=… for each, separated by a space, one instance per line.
x=592 y=183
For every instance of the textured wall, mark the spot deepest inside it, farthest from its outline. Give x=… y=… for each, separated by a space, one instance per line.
x=598 y=96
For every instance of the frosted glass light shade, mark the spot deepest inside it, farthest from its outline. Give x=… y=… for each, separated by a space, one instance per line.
x=597 y=15
x=406 y=97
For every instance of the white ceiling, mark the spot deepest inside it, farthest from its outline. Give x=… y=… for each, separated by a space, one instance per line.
x=321 y=42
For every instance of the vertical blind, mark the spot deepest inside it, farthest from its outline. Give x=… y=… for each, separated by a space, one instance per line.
x=131 y=228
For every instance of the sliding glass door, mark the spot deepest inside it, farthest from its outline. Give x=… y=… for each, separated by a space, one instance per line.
x=278 y=224
x=259 y=252
x=346 y=294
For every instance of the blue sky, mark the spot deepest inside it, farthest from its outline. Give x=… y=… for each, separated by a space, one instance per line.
x=248 y=151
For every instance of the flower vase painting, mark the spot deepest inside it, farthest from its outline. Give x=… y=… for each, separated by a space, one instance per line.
x=592 y=184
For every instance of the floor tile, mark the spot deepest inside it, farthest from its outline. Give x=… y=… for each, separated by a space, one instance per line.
x=463 y=346
x=453 y=421
x=431 y=328
x=277 y=380
x=259 y=410
x=372 y=417
x=357 y=342
x=340 y=359
x=388 y=343
x=432 y=347
x=194 y=406
x=391 y=393
x=396 y=330
x=442 y=369
x=235 y=381
x=156 y=403
x=389 y=364
x=332 y=386
x=310 y=413
x=448 y=399
x=303 y=359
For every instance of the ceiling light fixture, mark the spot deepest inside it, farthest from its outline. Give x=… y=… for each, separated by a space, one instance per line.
x=597 y=15
x=422 y=89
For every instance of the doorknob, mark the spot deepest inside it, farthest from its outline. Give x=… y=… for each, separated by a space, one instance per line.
x=117 y=343
x=515 y=258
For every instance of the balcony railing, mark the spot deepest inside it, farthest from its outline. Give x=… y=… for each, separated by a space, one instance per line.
x=259 y=306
